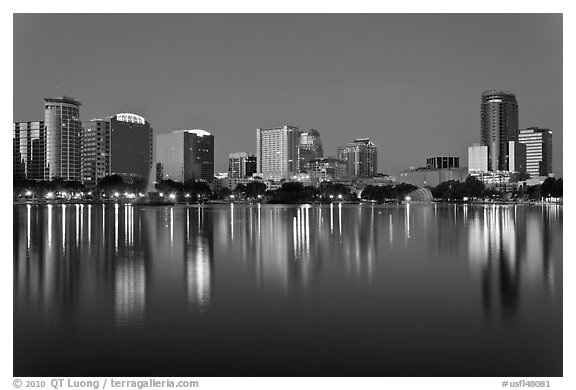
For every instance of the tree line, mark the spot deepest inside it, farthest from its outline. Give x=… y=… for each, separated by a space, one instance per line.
x=290 y=192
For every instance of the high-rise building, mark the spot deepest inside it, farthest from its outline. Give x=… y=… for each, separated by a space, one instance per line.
x=538 y=143
x=361 y=157
x=28 y=147
x=309 y=148
x=63 y=129
x=499 y=125
x=95 y=147
x=241 y=165
x=117 y=145
x=185 y=155
x=443 y=162
x=277 y=152
x=131 y=144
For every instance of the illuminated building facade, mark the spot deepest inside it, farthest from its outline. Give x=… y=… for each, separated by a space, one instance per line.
x=63 y=131
x=538 y=143
x=277 y=152
x=361 y=157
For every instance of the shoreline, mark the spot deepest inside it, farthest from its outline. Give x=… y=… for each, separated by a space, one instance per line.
x=220 y=203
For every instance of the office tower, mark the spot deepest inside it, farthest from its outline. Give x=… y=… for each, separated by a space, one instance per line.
x=277 y=152
x=241 y=165
x=499 y=125
x=95 y=147
x=443 y=162
x=309 y=148
x=131 y=143
x=185 y=155
x=361 y=157
x=478 y=158
x=538 y=143
x=28 y=149
x=63 y=129
x=117 y=145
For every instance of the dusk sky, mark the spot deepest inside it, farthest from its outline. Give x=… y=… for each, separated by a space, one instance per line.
x=410 y=82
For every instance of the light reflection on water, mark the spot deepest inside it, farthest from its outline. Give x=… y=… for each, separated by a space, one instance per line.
x=136 y=270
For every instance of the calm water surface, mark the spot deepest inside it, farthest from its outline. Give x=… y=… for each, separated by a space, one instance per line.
x=248 y=290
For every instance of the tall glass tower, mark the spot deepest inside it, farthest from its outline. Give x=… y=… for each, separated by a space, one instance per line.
x=499 y=126
x=63 y=131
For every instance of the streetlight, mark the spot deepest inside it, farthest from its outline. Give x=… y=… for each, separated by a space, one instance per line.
x=172 y=196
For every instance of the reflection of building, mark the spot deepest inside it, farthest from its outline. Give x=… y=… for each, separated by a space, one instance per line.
x=185 y=155
x=28 y=149
x=497 y=239
x=118 y=145
x=538 y=143
x=499 y=125
x=360 y=156
x=277 y=152
x=63 y=128
x=310 y=147
x=241 y=165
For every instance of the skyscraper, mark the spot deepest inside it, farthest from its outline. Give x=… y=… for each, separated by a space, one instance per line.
x=28 y=149
x=131 y=142
x=185 y=155
x=361 y=157
x=309 y=148
x=241 y=165
x=117 y=145
x=499 y=125
x=277 y=152
x=63 y=128
x=538 y=143
x=95 y=147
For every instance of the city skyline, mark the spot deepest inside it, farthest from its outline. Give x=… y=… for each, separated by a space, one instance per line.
x=349 y=78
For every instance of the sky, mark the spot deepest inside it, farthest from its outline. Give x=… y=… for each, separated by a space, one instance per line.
x=409 y=82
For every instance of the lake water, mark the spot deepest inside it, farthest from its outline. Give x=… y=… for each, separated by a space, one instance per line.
x=278 y=290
